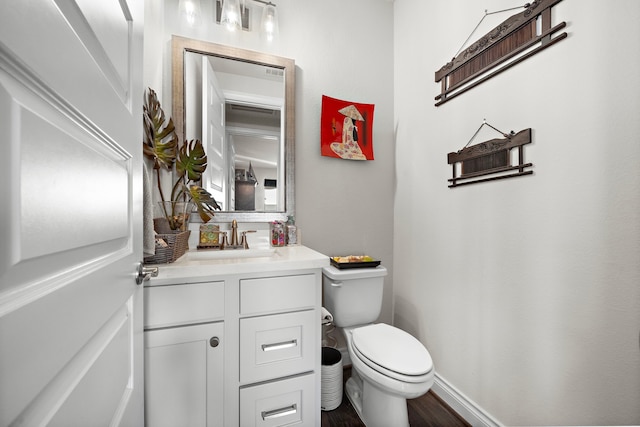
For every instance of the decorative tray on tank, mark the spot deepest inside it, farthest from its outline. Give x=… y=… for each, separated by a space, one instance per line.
x=354 y=261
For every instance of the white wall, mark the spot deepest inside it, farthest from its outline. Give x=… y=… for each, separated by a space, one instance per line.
x=526 y=290
x=342 y=49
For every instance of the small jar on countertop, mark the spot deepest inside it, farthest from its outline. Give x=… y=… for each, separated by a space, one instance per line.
x=276 y=229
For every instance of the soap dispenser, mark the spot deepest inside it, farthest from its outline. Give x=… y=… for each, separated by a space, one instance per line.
x=292 y=231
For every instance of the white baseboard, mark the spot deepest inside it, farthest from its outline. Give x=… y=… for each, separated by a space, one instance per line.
x=464 y=406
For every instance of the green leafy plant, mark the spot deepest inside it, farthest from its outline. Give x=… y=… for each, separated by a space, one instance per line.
x=190 y=160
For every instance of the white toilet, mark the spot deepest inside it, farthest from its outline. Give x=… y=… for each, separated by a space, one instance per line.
x=389 y=365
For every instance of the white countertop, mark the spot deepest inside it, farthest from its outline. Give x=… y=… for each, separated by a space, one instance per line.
x=192 y=267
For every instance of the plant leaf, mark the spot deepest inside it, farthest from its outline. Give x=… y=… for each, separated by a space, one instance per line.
x=192 y=160
x=160 y=138
x=204 y=201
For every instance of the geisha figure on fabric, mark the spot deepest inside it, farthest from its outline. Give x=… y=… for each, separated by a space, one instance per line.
x=346 y=129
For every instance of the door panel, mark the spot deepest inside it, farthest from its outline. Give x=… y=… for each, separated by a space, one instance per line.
x=50 y=169
x=44 y=133
x=85 y=398
x=105 y=33
x=213 y=129
x=50 y=341
x=70 y=174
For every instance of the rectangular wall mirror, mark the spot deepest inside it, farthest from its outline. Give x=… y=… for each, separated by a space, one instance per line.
x=240 y=104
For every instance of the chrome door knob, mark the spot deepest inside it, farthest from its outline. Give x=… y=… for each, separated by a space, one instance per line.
x=145 y=273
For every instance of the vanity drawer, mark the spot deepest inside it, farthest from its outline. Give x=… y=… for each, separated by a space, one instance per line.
x=277 y=345
x=279 y=403
x=183 y=304
x=277 y=293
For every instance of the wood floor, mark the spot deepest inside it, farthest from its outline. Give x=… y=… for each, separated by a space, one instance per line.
x=427 y=410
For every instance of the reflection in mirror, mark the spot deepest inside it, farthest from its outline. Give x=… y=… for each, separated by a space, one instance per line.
x=240 y=104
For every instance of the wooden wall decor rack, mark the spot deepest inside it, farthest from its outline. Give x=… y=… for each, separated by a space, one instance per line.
x=498 y=50
x=490 y=160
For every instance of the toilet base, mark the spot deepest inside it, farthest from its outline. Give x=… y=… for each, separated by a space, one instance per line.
x=375 y=407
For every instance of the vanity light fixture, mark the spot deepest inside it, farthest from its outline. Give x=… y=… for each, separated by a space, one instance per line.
x=235 y=16
x=190 y=12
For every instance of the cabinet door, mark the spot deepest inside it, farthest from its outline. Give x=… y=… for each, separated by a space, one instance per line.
x=183 y=376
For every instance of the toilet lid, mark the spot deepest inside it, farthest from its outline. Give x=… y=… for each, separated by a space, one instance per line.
x=392 y=348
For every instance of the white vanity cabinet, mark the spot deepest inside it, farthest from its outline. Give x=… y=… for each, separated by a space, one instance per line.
x=235 y=344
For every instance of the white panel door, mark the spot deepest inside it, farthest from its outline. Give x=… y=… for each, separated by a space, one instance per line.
x=213 y=130
x=71 y=216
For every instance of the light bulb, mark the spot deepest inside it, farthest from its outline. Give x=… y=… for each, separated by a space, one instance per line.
x=269 y=23
x=190 y=12
x=231 y=14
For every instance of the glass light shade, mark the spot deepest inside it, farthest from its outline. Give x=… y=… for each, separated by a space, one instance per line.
x=190 y=12
x=231 y=15
x=269 y=23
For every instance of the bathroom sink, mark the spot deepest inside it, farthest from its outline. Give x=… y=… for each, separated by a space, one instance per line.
x=231 y=253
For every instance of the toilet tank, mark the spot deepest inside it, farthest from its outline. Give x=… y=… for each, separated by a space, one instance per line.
x=353 y=296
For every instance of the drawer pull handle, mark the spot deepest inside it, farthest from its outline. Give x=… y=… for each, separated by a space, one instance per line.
x=277 y=413
x=279 y=345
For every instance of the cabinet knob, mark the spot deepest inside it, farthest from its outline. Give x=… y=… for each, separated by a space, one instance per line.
x=214 y=341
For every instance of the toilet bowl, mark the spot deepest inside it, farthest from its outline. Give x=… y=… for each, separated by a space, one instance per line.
x=391 y=366
x=388 y=364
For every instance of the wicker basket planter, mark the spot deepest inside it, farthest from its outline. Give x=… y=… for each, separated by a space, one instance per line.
x=177 y=244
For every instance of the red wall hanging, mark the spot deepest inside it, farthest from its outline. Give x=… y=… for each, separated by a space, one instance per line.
x=346 y=129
